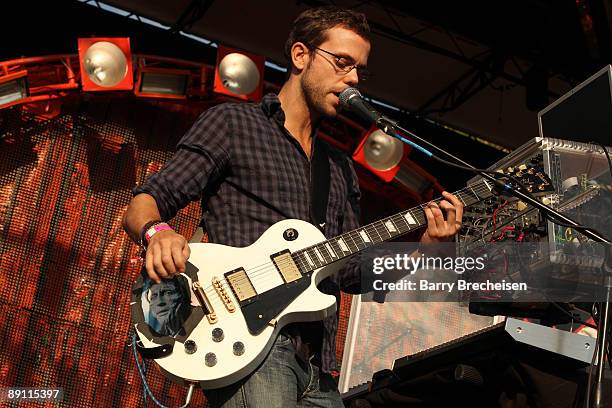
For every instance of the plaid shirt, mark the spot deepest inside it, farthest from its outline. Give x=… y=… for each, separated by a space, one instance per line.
x=250 y=173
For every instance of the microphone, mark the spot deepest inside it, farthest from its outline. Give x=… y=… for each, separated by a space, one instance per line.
x=352 y=100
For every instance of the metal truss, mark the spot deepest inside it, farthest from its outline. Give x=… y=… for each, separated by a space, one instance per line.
x=191 y=15
x=482 y=73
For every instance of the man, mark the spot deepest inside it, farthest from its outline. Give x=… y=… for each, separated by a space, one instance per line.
x=251 y=166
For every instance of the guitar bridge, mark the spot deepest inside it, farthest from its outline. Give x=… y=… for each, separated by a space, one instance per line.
x=209 y=312
x=227 y=301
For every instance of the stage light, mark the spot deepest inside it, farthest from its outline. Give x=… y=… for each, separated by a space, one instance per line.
x=380 y=153
x=13 y=88
x=239 y=74
x=162 y=83
x=106 y=64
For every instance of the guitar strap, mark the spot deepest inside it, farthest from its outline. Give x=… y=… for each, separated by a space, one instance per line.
x=319 y=184
x=319 y=189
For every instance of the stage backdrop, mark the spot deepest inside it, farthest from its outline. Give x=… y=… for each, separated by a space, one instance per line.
x=66 y=265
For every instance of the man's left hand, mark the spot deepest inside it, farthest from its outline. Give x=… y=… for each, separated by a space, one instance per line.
x=443 y=219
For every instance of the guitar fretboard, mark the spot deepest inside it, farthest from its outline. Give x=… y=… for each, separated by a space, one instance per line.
x=351 y=242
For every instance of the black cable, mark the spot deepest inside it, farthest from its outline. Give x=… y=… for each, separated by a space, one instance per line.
x=558 y=306
x=499 y=176
x=605 y=149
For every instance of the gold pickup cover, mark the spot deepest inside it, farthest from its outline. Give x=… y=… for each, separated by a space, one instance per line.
x=286 y=266
x=241 y=284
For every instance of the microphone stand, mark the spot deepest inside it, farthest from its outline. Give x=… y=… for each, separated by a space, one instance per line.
x=392 y=128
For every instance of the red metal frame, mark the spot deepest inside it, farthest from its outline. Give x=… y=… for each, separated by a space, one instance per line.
x=42 y=89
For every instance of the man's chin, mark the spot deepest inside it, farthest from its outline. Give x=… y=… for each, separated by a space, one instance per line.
x=330 y=112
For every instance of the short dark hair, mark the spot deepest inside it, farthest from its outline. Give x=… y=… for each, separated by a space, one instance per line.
x=311 y=26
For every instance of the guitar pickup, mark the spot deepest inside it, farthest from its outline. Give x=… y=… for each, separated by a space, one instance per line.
x=241 y=285
x=286 y=266
x=200 y=294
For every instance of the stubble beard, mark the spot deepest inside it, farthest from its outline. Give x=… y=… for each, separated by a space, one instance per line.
x=314 y=95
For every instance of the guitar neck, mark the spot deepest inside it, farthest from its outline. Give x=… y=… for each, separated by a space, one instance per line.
x=352 y=242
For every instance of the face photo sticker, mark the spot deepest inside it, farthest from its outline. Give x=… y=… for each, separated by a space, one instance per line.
x=166 y=305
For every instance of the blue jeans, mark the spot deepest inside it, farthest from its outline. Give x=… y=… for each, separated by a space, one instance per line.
x=283 y=380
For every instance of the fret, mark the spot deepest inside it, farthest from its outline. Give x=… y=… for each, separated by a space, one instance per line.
x=371 y=232
x=298 y=258
x=476 y=195
x=343 y=245
x=397 y=229
x=359 y=241
x=409 y=218
x=401 y=223
x=488 y=185
x=420 y=217
x=314 y=258
x=304 y=260
x=350 y=241
x=316 y=251
x=327 y=251
x=461 y=198
x=390 y=227
x=308 y=258
x=380 y=227
x=332 y=253
x=364 y=236
x=337 y=249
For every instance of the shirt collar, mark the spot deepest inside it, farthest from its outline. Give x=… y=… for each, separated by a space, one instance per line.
x=272 y=107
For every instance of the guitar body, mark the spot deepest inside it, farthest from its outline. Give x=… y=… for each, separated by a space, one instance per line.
x=213 y=260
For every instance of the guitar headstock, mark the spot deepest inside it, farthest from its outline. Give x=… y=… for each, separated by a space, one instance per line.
x=532 y=176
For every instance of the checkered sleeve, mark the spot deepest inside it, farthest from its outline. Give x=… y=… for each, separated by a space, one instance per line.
x=349 y=277
x=202 y=156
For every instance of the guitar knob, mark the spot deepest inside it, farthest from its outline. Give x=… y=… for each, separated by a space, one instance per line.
x=190 y=347
x=290 y=234
x=210 y=359
x=238 y=348
x=217 y=335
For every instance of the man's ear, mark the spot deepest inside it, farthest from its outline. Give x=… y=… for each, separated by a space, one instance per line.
x=299 y=55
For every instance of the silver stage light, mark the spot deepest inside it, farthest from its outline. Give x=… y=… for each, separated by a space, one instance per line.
x=105 y=64
x=383 y=152
x=239 y=74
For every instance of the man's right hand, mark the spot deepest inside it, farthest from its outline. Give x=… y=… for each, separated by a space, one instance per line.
x=167 y=255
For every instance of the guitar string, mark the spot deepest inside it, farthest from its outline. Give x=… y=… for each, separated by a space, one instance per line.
x=257 y=274
x=257 y=280
x=260 y=272
x=252 y=273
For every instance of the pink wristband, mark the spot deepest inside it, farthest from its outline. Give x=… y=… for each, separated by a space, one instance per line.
x=162 y=226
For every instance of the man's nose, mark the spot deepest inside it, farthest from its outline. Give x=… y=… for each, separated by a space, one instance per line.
x=351 y=78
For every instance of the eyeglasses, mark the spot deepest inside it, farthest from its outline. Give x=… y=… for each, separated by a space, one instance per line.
x=346 y=65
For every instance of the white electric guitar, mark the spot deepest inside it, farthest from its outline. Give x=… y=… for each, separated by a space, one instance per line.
x=245 y=296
